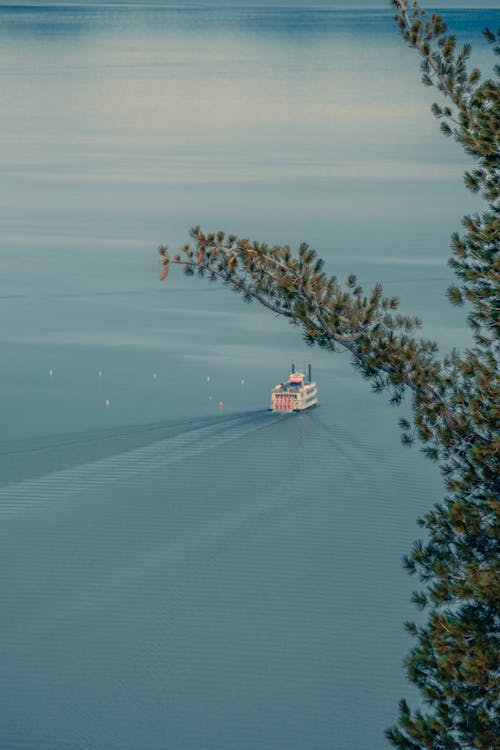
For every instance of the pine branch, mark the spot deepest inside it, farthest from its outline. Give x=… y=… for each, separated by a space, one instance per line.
x=454 y=399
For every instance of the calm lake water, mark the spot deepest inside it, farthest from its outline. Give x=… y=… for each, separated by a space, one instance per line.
x=175 y=574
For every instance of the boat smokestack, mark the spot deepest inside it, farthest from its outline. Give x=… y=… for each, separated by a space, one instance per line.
x=293 y=366
x=309 y=372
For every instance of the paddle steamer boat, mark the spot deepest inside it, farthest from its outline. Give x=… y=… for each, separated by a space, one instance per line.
x=296 y=394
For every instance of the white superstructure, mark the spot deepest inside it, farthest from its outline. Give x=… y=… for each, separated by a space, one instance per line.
x=296 y=394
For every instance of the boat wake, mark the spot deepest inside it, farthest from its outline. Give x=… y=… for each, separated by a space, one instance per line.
x=178 y=442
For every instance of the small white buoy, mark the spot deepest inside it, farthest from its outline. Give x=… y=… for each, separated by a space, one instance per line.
x=107 y=403
x=155 y=376
x=210 y=398
x=208 y=378
x=99 y=373
x=242 y=381
x=51 y=372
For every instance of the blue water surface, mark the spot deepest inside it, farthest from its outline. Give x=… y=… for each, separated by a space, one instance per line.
x=180 y=568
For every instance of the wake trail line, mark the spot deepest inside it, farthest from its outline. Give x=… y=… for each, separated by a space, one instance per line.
x=345 y=444
x=99 y=437
x=126 y=465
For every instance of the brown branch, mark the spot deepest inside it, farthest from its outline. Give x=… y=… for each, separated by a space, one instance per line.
x=229 y=279
x=401 y=5
x=318 y=323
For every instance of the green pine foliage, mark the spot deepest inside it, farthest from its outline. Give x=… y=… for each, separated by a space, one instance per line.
x=455 y=399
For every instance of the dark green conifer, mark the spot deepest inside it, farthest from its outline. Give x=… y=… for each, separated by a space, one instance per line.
x=455 y=400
